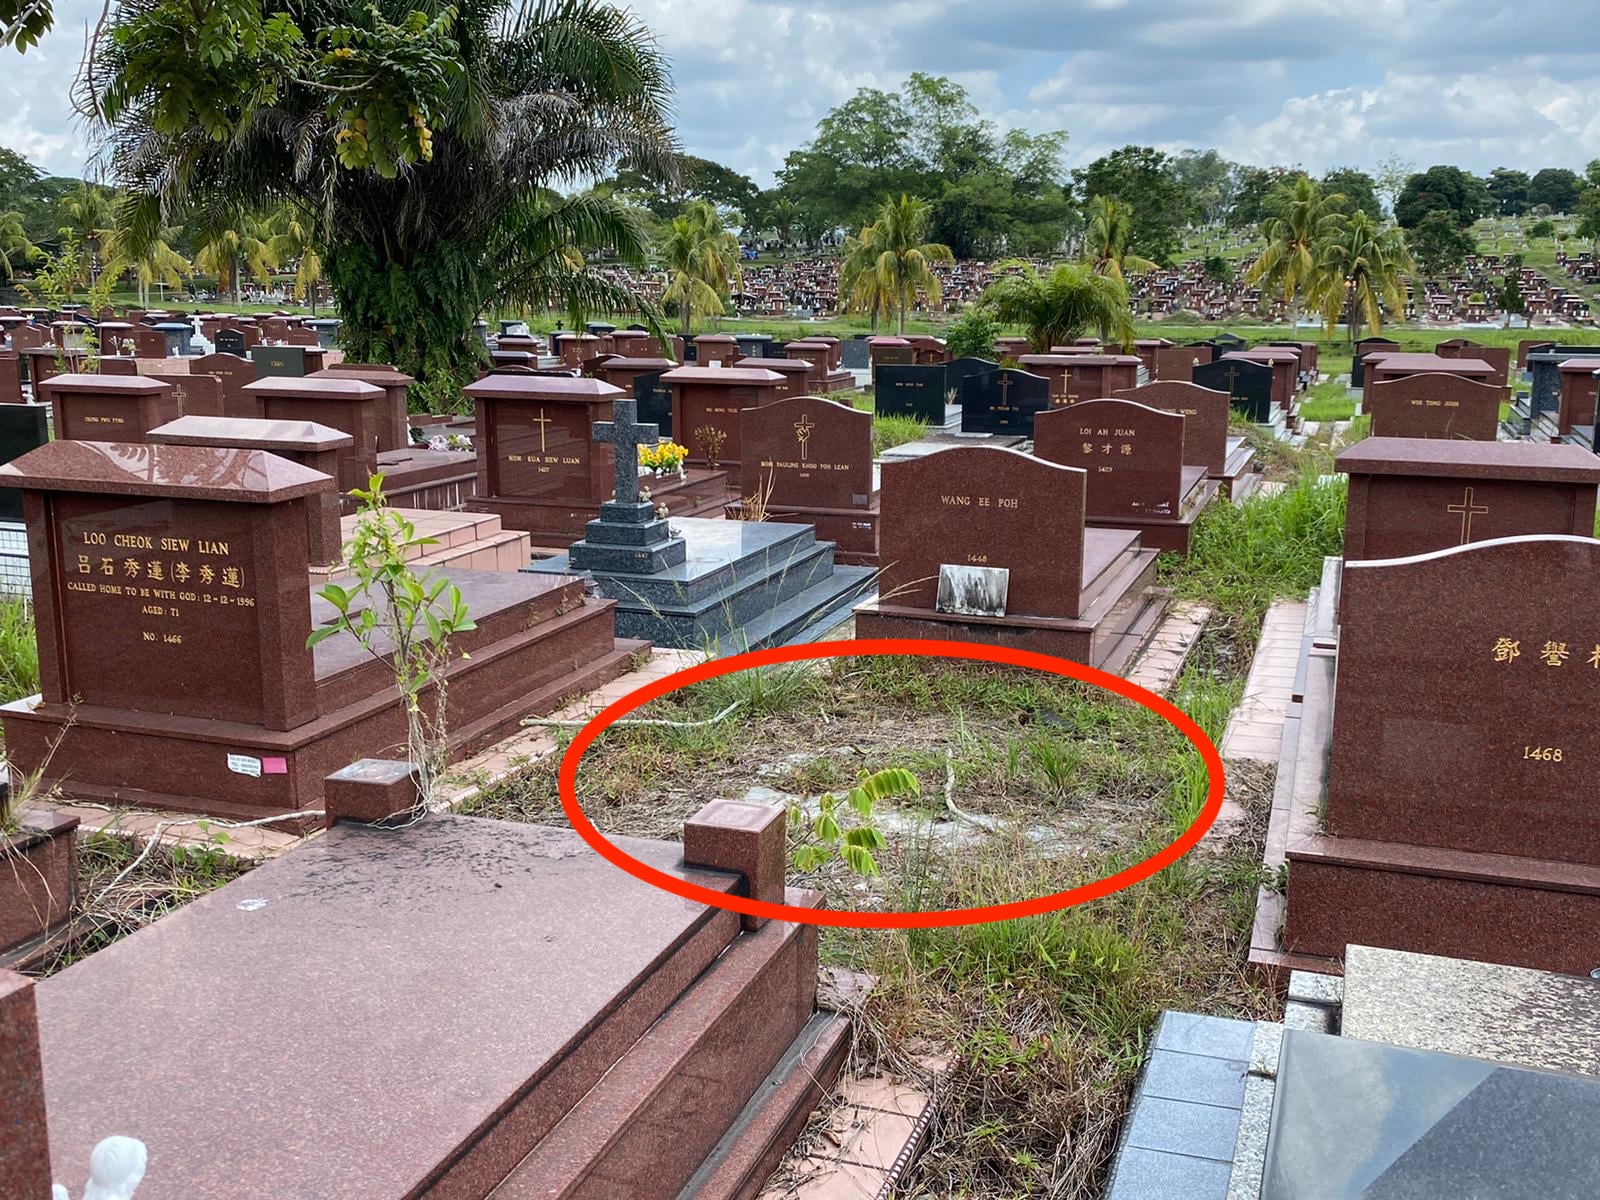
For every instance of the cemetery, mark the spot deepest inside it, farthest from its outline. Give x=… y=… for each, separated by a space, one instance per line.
x=329 y=540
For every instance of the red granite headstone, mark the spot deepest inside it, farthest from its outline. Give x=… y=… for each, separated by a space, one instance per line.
x=707 y=401
x=10 y=377
x=1415 y=495
x=808 y=452
x=393 y=432
x=1578 y=380
x=107 y=407
x=990 y=507
x=351 y=406
x=1177 y=363
x=796 y=373
x=233 y=373
x=1434 y=404
x=195 y=395
x=539 y=466
x=1205 y=413
x=1133 y=455
x=313 y=446
x=24 y=1141
x=715 y=348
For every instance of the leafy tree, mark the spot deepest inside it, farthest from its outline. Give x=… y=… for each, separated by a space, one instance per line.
x=1106 y=243
x=427 y=149
x=892 y=252
x=24 y=22
x=1589 y=216
x=17 y=176
x=702 y=261
x=1393 y=173
x=1510 y=301
x=1209 y=180
x=1509 y=191
x=1256 y=187
x=90 y=212
x=1053 y=309
x=1302 y=220
x=1218 y=269
x=1439 y=244
x=972 y=334
x=1442 y=188
x=1360 y=190
x=1361 y=272
x=1556 y=187
x=696 y=179
x=1542 y=228
x=1142 y=178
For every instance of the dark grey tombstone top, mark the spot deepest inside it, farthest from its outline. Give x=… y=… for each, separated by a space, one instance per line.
x=1359 y=1120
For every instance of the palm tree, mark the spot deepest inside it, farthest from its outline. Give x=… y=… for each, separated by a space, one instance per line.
x=784 y=215
x=153 y=261
x=516 y=99
x=90 y=212
x=861 y=289
x=228 y=252
x=1065 y=304
x=291 y=239
x=893 y=251
x=1303 y=218
x=14 y=242
x=702 y=260
x=1106 y=239
x=1361 y=271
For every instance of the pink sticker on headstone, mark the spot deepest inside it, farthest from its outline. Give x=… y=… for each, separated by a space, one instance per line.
x=274 y=766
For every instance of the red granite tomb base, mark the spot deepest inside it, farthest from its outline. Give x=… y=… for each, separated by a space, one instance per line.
x=1239 y=478
x=38 y=880
x=1171 y=535
x=533 y=649
x=1490 y=907
x=1116 y=623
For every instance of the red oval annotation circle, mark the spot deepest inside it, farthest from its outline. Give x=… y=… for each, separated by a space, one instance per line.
x=568 y=776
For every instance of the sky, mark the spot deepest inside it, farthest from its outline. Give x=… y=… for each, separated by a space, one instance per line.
x=1313 y=83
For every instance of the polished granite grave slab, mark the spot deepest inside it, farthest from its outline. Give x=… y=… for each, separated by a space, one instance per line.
x=1358 y=1120
x=376 y=1014
x=1510 y=1014
x=744 y=584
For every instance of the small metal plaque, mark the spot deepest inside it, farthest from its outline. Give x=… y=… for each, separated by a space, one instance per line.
x=973 y=591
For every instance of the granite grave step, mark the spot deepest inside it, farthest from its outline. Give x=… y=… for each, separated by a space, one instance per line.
x=462 y=540
x=664 y=1106
x=751 y=1150
x=446 y=939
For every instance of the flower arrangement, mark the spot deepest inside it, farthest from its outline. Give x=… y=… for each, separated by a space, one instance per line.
x=663 y=459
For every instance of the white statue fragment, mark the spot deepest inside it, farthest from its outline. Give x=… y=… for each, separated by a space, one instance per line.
x=115 y=1168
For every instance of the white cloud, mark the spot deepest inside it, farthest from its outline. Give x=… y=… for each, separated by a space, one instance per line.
x=1316 y=82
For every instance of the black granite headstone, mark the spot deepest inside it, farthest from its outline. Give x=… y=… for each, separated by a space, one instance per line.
x=1366 y=346
x=655 y=401
x=1003 y=402
x=278 y=361
x=855 y=354
x=23 y=427
x=1248 y=384
x=909 y=391
x=231 y=341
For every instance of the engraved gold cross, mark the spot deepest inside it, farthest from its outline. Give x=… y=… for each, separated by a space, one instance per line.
x=541 y=422
x=1468 y=510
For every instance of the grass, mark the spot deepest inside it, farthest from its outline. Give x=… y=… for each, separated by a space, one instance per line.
x=1329 y=400
x=19 y=651
x=1046 y=1019
x=168 y=878
x=1243 y=556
